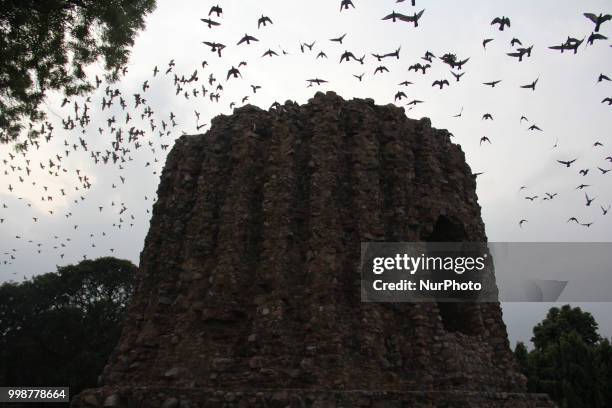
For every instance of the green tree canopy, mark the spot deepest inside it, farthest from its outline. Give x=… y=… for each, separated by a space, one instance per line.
x=570 y=361
x=46 y=45
x=59 y=328
x=562 y=321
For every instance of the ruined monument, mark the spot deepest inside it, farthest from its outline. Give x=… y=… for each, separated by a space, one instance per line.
x=248 y=290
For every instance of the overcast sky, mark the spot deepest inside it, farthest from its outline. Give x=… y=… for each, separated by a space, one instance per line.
x=565 y=105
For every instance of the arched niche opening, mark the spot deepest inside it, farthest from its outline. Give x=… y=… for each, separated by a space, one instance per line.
x=461 y=317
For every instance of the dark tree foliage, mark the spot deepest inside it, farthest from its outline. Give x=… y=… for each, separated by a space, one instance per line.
x=562 y=321
x=47 y=44
x=570 y=361
x=58 y=329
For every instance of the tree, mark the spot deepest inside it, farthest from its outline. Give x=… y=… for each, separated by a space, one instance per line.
x=59 y=328
x=604 y=361
x=47 y=44
x=564 y=320
x=570 y=361
x=522 y=356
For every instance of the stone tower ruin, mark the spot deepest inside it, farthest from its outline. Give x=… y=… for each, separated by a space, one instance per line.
x=249 y=280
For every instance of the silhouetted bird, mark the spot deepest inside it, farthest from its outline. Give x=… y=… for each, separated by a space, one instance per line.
x=484 y=139
x=566 y=163
x=399 y=95
x=503 y=21
x=380 y=69
x=216 y=9
x=210 y=22
x=457 y=76
x=233 y=72
x=247 y=38
x=598 y=19
x=344 y=4
x=595 y=36
x=395 y=16
x=603 y=77
x=589 y=200
x=492 y=83
x=263 y=20
x=269 y=53
x=440 y=83
x=531 y=85
x=338 y=39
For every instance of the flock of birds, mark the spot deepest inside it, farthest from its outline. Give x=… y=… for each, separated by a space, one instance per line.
x=131 y=124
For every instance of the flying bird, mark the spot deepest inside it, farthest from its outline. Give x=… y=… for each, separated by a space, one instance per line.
x=520 y=52
x=247 y=38
x=216 y=9
x=210 y=22
x=338 y=39
x=567 y=163
x=309 y=46
x=344 y=4
x=598 y=19
x=457 y=75
x=399 y=95
x=263 y=20
x=502 y=21
x=415 y=18
x=550 y=196
x=429 y=56
x=418 y=66
x=317 y=81
x=380 y=69
x=395 y=16
x=492 y=83
x=440 y=83
x=233 y=71
x=269 y=53
x=589 y=200
x=604 y=171
x=531 y=85
x=402 y=17
x=595 y=36
x=215 y=47
x=603 y=77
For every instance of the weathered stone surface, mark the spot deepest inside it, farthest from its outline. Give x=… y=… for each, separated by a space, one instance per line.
x=300 y=398
x=249 y=278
